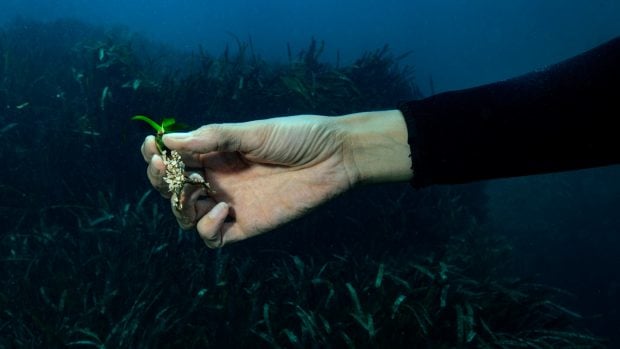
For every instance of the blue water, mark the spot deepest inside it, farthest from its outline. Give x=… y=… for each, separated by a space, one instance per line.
x=563 y=228
x=457 y=43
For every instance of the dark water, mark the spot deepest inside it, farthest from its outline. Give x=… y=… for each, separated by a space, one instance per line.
x=91 y=258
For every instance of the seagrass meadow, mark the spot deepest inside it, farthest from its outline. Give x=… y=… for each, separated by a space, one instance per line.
x=91 y=257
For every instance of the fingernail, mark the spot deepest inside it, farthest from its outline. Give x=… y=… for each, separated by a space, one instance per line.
x=217 y=211
x=176 y=135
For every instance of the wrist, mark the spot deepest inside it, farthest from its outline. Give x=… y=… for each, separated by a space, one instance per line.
x=376 y=146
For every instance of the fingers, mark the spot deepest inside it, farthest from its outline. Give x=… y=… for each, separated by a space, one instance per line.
x=208 y=217
x=149 y=148
x=205 y=214
x=241 y=137
x=155 y=173
x=156 y=168
x=215 y=137
x=210 y=226
x=192 y=206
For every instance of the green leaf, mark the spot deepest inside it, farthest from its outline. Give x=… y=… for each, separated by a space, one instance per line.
x=149 y=121
x=167 y=123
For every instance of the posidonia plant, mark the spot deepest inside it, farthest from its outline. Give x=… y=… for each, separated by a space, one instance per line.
x=166 y=125
x=175 y=176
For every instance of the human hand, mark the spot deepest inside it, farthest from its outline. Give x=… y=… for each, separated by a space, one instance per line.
x=268 y=172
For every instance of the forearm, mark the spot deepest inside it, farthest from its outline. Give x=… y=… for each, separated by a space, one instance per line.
x=561 y=118
x=376 y=147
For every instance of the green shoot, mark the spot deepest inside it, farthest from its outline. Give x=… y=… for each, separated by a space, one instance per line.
x=166 y=125
x=158 y=128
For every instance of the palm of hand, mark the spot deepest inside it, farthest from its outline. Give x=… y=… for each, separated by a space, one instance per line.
x=263 y=196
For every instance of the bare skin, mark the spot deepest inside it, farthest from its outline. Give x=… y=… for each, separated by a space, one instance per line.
x=268 y=172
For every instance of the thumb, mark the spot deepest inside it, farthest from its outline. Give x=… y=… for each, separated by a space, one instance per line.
x=214 y=137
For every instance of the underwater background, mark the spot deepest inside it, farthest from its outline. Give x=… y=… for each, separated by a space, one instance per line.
x=91 y=257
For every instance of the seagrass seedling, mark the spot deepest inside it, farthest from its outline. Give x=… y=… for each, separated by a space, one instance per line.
x=166 y=125
x=175 y=177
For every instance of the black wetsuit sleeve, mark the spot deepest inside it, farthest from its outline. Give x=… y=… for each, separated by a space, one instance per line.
x=561 y=118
